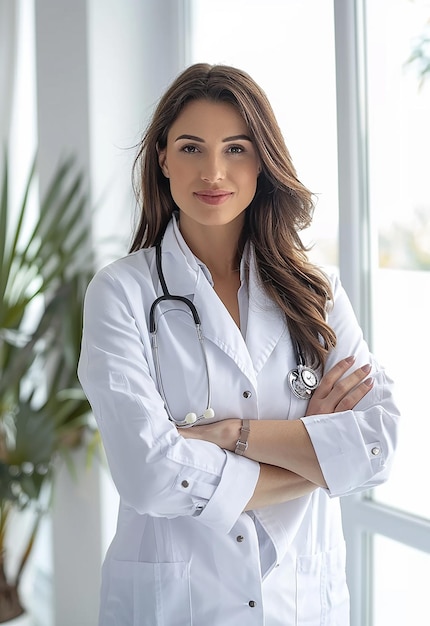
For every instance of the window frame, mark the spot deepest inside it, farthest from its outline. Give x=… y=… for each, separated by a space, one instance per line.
x=362 y=516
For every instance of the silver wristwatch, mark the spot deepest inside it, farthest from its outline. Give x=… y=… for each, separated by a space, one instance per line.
x=242 y=442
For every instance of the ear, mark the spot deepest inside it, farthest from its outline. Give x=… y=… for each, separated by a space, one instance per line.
x=162 y=161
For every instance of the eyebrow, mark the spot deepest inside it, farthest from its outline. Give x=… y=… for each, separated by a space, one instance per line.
x=200 y=140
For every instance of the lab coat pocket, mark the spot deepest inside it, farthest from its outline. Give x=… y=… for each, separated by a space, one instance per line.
x=149 y=594
x=322 y=594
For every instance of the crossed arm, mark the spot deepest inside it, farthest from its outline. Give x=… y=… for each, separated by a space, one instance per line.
x=289 y=467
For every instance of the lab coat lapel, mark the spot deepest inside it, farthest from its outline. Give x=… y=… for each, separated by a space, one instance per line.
x=266 y=323
x=184 y=277
x=265 y=326
x=180 y=267
x=219 y=327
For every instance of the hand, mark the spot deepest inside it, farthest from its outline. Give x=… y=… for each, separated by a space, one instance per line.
x=335 y=395
x=224 y=433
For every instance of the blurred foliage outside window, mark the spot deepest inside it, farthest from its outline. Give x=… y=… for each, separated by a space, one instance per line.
x=406 y=244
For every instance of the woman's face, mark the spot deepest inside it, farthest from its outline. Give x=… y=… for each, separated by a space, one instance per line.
x=211 y=163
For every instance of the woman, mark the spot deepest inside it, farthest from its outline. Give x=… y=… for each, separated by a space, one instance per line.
x=236 y=521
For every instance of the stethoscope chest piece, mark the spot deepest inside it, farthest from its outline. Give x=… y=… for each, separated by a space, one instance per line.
x=303 y=381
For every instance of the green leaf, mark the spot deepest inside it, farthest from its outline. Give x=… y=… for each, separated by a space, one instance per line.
x=43 y=276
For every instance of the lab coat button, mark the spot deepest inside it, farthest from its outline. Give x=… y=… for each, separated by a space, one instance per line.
x=199 y=510
x=239 y=538
x=185 y=483
x=252 y=603
x=247 y=394
x=376 y=451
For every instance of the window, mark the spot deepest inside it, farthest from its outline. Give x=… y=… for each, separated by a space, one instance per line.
x=398 y=105
x=401 y=591
x=399 y=191
x=301 y=53
x=388 y=528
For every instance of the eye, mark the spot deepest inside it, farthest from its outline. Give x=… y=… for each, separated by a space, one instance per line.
x=236 y=149
x=189 y=149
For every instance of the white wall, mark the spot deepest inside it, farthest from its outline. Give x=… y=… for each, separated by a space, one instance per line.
x=135 y=51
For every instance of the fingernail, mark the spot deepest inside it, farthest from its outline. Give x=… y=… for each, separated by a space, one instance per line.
x=350 y=359
x=366 y=368
x=368 y=382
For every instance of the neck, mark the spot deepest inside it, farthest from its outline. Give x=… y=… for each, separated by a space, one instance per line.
x=216 y=246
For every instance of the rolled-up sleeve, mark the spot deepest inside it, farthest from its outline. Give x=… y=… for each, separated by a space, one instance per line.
x=355 y=448
x=155 y=470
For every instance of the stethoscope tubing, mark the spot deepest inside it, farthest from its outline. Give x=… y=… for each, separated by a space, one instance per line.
x=302 y=380
x=153 y=329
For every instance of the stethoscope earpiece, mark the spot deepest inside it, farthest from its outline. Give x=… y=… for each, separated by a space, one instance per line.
x=191 y=418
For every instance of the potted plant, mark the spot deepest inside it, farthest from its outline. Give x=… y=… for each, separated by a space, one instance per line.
x=44 y=271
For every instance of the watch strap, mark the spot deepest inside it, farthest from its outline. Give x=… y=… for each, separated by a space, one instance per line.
x=242 y=442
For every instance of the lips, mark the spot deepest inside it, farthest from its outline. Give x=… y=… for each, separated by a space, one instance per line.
x=213 y=196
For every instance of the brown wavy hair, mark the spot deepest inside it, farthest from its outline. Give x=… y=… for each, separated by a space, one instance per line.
x=281 y=208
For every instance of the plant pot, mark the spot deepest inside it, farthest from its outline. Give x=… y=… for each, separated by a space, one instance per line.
x=11 y=610
x=22 y=620
x=10 y=603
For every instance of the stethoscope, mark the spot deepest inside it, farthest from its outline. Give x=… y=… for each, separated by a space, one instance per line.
x=302 y=380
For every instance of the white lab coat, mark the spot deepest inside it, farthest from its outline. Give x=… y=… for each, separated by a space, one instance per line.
x=184 y=552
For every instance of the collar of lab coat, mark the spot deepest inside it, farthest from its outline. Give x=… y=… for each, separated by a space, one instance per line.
x=187 y=276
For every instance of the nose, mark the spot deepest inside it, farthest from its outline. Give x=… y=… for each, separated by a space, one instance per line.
x=213 y=169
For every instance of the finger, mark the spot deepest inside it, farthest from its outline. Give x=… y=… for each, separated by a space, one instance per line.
x=345 y=385
x=331 y=377
x=349 y=401
x=330 y=399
